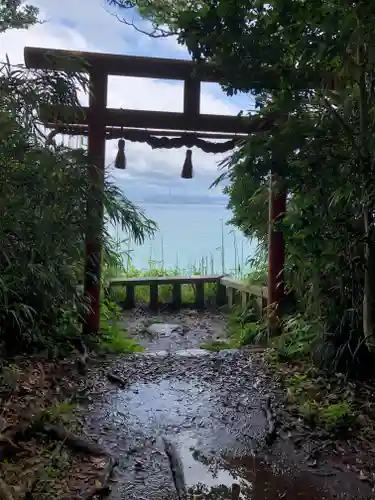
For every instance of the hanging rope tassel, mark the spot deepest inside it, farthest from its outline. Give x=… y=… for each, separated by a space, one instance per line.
x=120 y=161
x=187 y=169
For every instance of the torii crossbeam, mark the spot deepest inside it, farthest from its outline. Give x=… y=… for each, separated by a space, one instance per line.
x=99 y=123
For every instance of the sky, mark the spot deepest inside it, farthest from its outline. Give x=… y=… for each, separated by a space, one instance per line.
x=90 y=25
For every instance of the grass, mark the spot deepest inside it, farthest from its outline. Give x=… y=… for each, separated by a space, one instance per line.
x=122 y=266
x=117 y=342
x=58 y=413
x=114 y=338
x=319 y=401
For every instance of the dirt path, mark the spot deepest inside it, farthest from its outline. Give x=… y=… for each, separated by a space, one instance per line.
x=211 y=408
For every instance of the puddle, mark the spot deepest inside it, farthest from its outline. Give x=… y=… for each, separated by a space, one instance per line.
x=169 y=403
x=217 y=477
x=156 y=354
x=192 y=353
x=215 y=443
x=163 y=329
x=196 y=472
x=187 y=353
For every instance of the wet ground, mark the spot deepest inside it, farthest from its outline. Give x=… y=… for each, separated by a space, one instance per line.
x=211 y=410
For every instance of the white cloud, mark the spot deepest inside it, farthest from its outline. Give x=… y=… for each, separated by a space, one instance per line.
x=85 y=25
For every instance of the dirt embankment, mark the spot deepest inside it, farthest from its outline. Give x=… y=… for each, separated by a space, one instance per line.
x=176 y=420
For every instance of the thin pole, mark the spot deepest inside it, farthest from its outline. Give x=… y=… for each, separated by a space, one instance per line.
x=276 y=257
x=95 y=173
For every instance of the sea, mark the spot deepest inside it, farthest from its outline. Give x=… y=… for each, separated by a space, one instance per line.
x=191 y=238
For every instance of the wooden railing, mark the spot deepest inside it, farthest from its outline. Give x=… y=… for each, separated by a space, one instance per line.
x=229 y=291
x=242 y=293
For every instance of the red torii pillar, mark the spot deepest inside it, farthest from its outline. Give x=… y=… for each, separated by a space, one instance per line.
x=276 y=257
x=95 y=174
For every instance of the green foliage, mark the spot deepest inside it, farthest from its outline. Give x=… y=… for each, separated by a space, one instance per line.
x=43 y=199
x=258 y=274
x=113 y=338
x=296 y=341
x=15 y=14
x=309 y=411
x=335 y=418
x=313 y=397
x=245 y=326
x=336 y=415
x=246 y=334
x=9 y=377
x=309 y=67
x=58 y=413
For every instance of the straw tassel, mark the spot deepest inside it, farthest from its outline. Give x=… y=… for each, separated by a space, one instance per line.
x=120 y=161
x=187 y=169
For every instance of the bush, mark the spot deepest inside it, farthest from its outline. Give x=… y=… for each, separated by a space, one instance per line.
x=43 y=199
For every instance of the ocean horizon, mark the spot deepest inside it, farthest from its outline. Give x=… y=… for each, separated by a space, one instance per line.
x=193 y=237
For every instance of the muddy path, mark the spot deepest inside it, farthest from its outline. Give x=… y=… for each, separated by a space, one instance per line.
x=212 y=408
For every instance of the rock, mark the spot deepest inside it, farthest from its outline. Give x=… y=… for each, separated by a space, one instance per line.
x=162 y=329
x=227 y=353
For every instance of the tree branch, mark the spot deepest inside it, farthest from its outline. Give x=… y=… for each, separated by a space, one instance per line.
x=157 y=31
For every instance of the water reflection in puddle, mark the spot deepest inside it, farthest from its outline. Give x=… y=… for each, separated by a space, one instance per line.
x=164 y=329
x=210 y=477
x=188 y=353
x=199 y=476
x=168 y=403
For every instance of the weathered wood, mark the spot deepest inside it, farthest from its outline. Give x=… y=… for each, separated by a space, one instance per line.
x=276 y=255
x=176 y=281
x=199 y=295
x=243 y=286
x=244 y=298
x=176 y=295
x=95 y=174
x=142 y=119
x=192 y=97
x=121 y=65
x=164 y=280
x=134 y=133
x=221 y=295
x=130 y=296
x=246 y=291
x=144 y=67
x=230 y=293
x=154 y=297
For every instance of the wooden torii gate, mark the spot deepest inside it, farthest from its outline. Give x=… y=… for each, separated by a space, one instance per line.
x=170 y=129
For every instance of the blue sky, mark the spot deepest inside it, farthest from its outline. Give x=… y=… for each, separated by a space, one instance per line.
x=89 y=25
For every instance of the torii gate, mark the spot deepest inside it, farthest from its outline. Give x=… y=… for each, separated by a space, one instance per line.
x=171 y=129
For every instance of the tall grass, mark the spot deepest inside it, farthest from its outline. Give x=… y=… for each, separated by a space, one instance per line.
x=123 y=267
x=203 y=266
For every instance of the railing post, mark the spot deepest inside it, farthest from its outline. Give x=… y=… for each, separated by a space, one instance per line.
x=95 y=174
x=130 y=297
x=154 y=296
x=276 y=256
x=176 y=295
x=199 y=295
x=221 y=294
